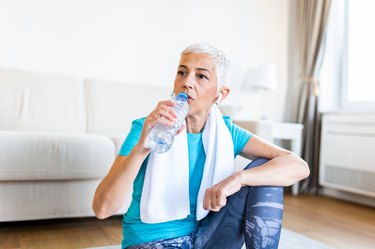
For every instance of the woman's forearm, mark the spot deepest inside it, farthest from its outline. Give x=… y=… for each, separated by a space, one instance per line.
x=117 y=185
x=284 y=170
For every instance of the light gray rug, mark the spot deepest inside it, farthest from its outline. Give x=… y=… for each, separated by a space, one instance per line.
x=288 y=240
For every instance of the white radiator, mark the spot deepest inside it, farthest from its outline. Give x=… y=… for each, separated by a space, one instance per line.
x=347 y=153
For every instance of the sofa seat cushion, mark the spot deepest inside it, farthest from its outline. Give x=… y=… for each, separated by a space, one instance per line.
x=54 y=156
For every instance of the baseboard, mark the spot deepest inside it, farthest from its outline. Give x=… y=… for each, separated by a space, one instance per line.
x=347 y=196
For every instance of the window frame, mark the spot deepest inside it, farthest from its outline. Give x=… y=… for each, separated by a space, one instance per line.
x=343 y=85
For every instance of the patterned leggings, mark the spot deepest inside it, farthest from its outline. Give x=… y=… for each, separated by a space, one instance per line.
x=252 y=216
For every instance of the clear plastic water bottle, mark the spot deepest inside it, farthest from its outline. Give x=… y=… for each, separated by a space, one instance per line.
x=161 y=136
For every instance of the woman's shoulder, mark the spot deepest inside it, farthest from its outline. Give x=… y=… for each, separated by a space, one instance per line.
x=139 y=121
x=233 y=127
x=228 y=121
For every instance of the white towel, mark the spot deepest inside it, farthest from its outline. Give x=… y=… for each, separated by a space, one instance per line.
x=165 y=194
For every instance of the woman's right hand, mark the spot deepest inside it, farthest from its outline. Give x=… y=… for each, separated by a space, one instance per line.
x=163 y=114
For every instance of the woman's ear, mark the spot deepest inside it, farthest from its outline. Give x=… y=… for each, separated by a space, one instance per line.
x=218 y=98
x=222 y=94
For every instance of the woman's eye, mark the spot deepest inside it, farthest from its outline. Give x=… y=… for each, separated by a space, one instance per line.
x=182 y=73
x=202 y=76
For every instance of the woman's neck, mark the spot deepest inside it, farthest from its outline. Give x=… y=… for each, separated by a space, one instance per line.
x=196 y=123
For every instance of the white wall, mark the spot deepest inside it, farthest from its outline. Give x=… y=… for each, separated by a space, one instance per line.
x=140 y=41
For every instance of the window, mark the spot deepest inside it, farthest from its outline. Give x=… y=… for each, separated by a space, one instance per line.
x=348 y=70
x=360 y=48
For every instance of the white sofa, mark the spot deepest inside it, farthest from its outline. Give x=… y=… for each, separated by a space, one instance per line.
x=58 y=138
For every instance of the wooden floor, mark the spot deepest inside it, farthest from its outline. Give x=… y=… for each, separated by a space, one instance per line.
x=341 y=224
x=337 y=223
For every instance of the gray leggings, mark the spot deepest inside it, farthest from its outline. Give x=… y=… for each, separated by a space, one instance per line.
x=252 y=216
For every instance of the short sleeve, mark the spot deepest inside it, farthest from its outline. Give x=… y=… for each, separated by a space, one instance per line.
x=240 y=136
x=132 y=138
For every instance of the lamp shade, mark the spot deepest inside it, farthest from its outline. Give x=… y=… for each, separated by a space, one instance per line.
x=264 y=78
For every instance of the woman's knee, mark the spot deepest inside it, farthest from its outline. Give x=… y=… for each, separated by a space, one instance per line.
x=261 y=192
x=256 y=162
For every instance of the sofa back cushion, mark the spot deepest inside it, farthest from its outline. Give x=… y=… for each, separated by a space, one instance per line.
x=31 y=101
x=112 y=106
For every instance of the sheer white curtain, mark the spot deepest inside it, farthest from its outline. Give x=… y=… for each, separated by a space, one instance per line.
x=312 y=17
x=330 y=76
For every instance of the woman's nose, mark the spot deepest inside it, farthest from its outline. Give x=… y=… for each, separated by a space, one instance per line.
x=188 y=82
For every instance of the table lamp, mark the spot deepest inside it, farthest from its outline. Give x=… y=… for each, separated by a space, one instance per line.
x=264 y=78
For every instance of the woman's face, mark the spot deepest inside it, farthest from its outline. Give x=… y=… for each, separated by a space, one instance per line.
x=196 y=76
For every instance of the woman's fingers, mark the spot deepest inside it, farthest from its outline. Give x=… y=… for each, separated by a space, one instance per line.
x=221 y=199
x=214 y=199
x=165 y=114
x=165 y=117
x=216 y=196
x=181 y=129
x=165 y=111
x=206 y=201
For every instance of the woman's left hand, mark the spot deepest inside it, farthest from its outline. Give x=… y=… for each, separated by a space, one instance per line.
x=215 y=197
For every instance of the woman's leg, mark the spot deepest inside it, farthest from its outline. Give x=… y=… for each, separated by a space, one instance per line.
x=264 y=216
x=252 y=215
x=184 y=242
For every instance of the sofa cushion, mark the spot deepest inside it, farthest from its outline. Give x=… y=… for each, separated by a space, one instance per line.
x=31 y=101
x=118 y=141
x=112 y=106
x=54 y=156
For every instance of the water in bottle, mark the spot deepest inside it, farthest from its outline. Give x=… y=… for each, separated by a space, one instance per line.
x=161 y=136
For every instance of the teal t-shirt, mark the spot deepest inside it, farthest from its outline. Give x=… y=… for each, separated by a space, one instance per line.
x=134 y=230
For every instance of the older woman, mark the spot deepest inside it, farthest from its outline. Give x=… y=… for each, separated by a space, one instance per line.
x=207 y=205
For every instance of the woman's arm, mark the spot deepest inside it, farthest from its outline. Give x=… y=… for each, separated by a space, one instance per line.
x=284 y=168
x=115 y=187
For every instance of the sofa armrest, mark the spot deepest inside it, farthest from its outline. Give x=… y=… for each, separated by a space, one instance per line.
x=54 y=156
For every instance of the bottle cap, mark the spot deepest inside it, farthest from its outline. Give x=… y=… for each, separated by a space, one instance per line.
x=183 y=96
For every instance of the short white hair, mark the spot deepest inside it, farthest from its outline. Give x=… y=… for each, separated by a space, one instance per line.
x=222 y=63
